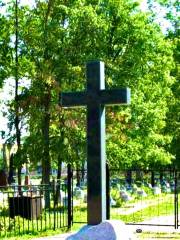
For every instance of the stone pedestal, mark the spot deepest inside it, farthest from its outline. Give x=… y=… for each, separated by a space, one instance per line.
x=107 y=230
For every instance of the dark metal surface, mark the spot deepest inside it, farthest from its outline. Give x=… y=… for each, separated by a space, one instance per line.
x=176 y=222
x=69 y=191
x=95 y=97
x=107 y=192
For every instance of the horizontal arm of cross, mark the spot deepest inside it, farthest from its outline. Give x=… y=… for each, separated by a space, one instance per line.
x=71 y=99
x=115 y=96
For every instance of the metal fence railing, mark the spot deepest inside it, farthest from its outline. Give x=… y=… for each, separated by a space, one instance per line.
x=138 y=197
x=33 y=208
x=145 y=197
x=135 y=196
x=79 y=196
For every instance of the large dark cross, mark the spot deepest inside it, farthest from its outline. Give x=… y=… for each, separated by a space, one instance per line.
x=95 y=98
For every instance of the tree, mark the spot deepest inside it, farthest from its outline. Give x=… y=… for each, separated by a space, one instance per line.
x=171 y=9
x=57 y=38
x=5 y=50
x=141 y=62
x=173 y=116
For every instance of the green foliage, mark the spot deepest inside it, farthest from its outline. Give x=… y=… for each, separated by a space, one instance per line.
x=56 y=39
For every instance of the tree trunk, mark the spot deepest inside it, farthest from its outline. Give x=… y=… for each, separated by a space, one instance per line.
x=59 y=168
x=58 y=180
x=82 y=173
x=129 y=177
x=18 y=140
x=5 y=165
x=161 y=176
x=139 y=175
x=152 y=179
x=46 y=165
x=11 y=169
x=78 y=176
x=17 y=119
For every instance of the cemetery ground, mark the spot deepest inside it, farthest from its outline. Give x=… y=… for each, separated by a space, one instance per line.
x=134 y=203
x=148 y=233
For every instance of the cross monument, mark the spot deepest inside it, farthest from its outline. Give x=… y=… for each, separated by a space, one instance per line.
x=95 y=98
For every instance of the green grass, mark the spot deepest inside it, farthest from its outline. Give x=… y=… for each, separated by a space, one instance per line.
x=156 y=236
x=10 y=228
x=158 y=206
x=37 y=234
x=45 y=233
x=76 y=227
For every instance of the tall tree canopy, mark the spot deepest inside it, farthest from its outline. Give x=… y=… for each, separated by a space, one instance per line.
x=57 y=38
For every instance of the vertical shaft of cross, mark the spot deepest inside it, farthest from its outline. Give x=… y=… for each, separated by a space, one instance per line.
x=96 y=160
x=95 y=98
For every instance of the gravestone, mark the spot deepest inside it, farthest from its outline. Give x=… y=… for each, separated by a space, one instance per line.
x=78 y=193
x=156 y=190
x=3 y=179
x=141 y=193
x=112 y=202
x=95 y=98
x=125 y=196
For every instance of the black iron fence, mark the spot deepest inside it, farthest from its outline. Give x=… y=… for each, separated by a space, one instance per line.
x=135 y=196
x=33 y=208
x=79 y=195
x=145 y=197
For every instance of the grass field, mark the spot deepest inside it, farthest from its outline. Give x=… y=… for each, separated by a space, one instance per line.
x=154 y=236
x=135 y=211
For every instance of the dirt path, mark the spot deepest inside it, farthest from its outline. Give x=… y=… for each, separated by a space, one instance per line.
x=163 y=220
x=134 y=207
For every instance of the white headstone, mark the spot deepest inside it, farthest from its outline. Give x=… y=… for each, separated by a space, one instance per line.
x=141 y=193
x=112 y=202
x=1 y=197
x=107 y=230
x=85 y=198
x=156 y=190
x=125 y=196
x=78 y=193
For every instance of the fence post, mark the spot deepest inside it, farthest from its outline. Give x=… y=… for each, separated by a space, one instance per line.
x=177 y=208
x=69 y=184
x=175 y=201
x=54 y=200
x=107 y=192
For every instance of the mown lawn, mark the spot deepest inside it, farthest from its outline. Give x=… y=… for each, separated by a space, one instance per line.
x=151 y=208
x=135 y=211
x=154 y=236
